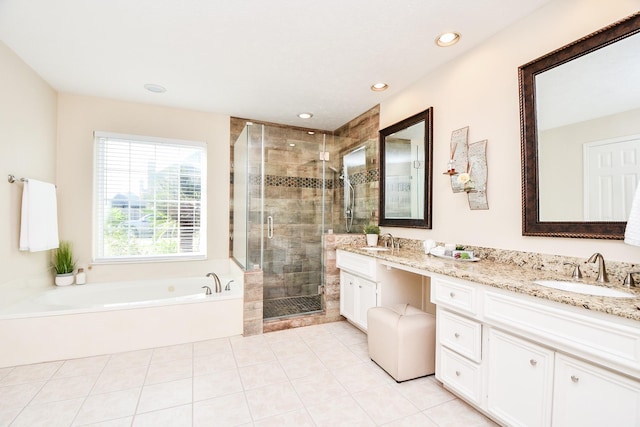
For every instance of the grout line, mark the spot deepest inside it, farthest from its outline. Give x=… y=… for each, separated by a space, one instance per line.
x=44 y=383
x=92 y=388
x=193 y=383
x=135 y=410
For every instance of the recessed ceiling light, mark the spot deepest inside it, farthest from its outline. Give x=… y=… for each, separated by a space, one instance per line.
x=379 y=87
x=447 y=39
x=155 y=88
x=311 y=132
x=305 y=115
x=291 y=144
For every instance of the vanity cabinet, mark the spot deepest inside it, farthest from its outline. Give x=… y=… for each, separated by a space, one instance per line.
x=358 y=286
x=365 y=284
x=357 y=295
x=531 y=362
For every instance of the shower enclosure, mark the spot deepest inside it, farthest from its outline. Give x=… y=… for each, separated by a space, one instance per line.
x=281 y=180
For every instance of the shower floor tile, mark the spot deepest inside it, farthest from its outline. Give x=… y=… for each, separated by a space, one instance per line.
x=291 y=306
x=244 y=384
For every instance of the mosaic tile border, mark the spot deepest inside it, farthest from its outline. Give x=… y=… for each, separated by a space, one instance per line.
x=371 y=175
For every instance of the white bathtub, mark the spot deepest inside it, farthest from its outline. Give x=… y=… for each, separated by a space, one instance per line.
x=94 y=319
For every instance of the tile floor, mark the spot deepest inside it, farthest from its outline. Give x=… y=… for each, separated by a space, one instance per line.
x=312 y=376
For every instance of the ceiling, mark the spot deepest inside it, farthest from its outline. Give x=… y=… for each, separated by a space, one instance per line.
x=258 y=59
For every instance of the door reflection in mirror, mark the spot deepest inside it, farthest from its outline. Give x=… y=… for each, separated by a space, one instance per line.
x=404 y=173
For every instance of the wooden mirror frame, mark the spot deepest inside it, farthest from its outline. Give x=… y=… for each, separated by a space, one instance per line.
x=531 y=224
x=425 y=116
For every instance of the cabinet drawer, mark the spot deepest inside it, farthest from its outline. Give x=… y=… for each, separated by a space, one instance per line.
x=461 y=375
x=361 y=265
x=464 y=336
x=456 y=295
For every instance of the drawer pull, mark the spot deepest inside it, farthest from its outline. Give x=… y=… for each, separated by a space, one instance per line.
x=457 y=373
x=457 y=335
x=575 y=379
x=533 y=362
x=452 y=294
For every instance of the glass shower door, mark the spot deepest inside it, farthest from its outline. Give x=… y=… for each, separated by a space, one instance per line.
x=278 y=217
x=294 y=218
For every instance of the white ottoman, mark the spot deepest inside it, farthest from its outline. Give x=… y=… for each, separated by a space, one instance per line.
x=402 y=340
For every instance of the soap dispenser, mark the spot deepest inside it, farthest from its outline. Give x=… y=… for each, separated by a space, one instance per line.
x=81 y=277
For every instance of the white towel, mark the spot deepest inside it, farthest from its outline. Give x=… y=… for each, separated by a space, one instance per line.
x=39 y=219
x=632 y=231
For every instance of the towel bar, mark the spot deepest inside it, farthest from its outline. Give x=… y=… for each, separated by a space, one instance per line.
x=12 y=179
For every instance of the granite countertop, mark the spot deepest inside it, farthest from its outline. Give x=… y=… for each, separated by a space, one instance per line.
x=513 y=278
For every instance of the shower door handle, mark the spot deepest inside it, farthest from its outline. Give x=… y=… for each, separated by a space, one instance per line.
x=269 y=227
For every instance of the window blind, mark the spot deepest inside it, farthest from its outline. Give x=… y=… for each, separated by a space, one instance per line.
x=149 y=198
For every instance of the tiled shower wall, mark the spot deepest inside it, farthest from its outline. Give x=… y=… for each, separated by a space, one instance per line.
x=359 y=132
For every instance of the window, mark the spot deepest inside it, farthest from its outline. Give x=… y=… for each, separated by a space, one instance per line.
x=149 y=198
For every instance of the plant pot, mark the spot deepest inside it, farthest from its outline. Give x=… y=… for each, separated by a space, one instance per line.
x=64 y=279
x=372 y=240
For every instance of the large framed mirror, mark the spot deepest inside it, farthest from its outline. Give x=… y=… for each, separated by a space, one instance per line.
x=580 y=124
x=406 y=172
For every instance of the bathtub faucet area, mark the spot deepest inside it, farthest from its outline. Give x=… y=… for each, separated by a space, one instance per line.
x=216 y=280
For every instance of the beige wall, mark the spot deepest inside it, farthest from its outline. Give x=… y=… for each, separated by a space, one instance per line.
x=27 y=149
x=79 y=117
x=480 y=89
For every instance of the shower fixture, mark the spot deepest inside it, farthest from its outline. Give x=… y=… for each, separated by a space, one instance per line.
x=349 y=199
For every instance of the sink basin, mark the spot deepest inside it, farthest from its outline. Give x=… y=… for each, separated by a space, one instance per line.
x=582 y=288
x=375 y=248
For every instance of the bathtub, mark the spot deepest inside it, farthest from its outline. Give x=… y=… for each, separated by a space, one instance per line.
x=94 y=319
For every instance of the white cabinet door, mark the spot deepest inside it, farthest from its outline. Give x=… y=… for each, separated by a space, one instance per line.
x=520 y=380
x=357 y=295
x=347 y=295
x=366 y=298
x=586 y=395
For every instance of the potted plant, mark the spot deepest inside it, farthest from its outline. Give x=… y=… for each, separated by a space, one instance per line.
x=372 y=231
x=64 y=264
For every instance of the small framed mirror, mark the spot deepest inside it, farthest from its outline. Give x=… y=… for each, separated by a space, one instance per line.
x=406 y=172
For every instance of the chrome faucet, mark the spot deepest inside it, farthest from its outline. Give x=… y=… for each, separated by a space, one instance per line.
x=602 y=271
x=629 y=281
x=207 y=291
x=384 y=236
x=228 y=287
x=576 y=274
x=216 y=280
